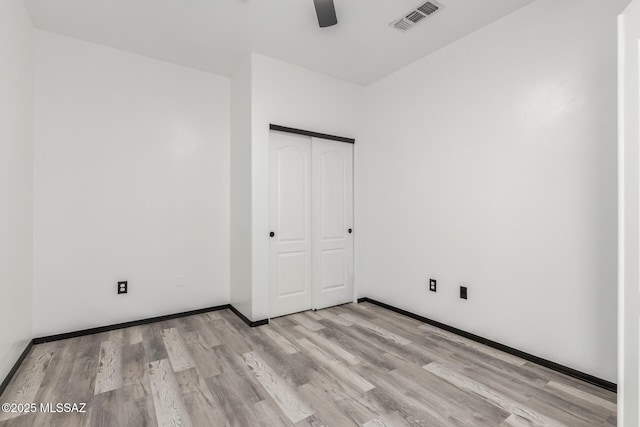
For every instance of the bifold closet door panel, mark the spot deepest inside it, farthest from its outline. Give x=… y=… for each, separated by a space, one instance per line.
x=290 y=218
x=332 y=222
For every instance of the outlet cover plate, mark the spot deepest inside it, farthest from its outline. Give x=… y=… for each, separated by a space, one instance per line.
x=463 y=292
x=123 y=287
x=433 y=286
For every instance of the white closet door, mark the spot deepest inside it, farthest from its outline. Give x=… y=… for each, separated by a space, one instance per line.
x=290 y=217
x=332 y=222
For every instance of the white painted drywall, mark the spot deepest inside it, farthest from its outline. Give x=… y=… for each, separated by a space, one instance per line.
x=241 y=290
x=629 y=217
x=131 y=182
x=492 y=163
x=289 y=95
x=16 y=182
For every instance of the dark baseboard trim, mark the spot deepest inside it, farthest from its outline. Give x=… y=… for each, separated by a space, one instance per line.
x=98 y=330
x=123 y=325
x=13 y=370
x=246 y=320
x=607 y=385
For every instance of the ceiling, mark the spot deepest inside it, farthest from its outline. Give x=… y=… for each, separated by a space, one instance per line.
x=215 y=35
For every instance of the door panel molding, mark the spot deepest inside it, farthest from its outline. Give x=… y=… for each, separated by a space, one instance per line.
x=290 y=220
x=332 y=216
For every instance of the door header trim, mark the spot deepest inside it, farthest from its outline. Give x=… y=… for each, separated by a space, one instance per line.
x=311 y=133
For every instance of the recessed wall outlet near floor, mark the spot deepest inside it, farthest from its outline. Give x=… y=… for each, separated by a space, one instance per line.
x=123 y=287
x=180 y=280
x=463 y=292
x=433 y=287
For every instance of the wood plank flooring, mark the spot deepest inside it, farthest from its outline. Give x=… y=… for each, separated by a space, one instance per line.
x=352 y=365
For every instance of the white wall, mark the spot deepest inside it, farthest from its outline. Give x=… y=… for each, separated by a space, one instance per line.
x=629 y=218
x=16 y=182
x=493 y=163
x=292 y=96
x=131 y=182
x=241 y=289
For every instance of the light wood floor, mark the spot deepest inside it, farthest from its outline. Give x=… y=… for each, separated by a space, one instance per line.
x=343 y=366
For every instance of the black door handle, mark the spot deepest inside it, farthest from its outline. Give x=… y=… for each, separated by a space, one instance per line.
x=272 y=234
x=350 y=231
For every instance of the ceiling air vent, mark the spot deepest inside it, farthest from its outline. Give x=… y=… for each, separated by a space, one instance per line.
x=413 y=17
